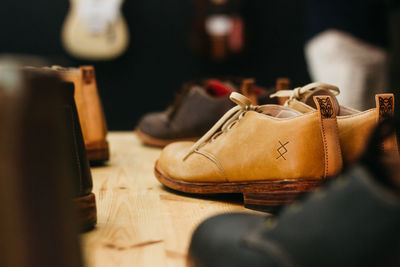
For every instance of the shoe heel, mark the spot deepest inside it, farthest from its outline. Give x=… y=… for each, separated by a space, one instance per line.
x=274 y=195
x=97 y=152
x=269 y=202
x=87 y=212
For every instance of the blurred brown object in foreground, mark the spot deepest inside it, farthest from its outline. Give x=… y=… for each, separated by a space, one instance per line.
x=38 y=224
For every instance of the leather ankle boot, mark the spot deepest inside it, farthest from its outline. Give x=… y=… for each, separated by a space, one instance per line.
x=90 y=110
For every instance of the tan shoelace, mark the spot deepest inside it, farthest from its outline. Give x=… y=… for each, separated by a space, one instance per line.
x=298 y=92
x=226 y=122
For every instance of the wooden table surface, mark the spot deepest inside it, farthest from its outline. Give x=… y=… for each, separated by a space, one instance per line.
x=140 y=222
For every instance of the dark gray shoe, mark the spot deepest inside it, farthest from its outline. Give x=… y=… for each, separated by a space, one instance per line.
x=196 y=109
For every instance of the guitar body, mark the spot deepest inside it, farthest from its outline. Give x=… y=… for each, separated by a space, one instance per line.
x=91 y=31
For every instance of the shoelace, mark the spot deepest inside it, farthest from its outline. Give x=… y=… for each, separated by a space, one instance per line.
x=226 y=122
x=298 y=92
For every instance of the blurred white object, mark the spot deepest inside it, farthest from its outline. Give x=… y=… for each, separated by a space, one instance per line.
x=359 y=69
x=98 y=14
x=219 y=25
x=95 y=29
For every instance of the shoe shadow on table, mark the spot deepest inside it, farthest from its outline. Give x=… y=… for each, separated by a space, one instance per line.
x=229 y=198
x=98 y=164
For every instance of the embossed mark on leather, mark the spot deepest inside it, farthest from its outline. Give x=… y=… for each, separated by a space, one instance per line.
x=282 y=150
x=385 y=106
x=326 y=107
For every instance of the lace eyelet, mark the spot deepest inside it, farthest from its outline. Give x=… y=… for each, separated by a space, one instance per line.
x=215 y=136
x=231 y=125
x=242 y=115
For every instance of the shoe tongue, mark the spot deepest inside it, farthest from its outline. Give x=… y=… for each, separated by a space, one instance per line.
x=308 y=98
x=217 y=88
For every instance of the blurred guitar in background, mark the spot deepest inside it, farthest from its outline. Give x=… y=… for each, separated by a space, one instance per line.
x=218 y=31
x=95 y=29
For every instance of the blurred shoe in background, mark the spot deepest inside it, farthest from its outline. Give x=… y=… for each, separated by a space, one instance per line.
x=197 y=107
x=360 y=69
x=271 y=154
x=90 y=110
x=353 y=221
x=40 y=167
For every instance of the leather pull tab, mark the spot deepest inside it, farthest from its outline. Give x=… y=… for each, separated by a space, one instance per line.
x=247 y=90
x=325 y=107
x=385 y=109
x=384 y=106
x=282 y=84
x=330 y=135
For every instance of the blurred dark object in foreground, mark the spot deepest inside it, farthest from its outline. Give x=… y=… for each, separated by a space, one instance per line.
x=38 y=224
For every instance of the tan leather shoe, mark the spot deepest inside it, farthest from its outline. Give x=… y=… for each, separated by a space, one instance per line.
x=354 y=126
x=90 y=110
x=271 y=154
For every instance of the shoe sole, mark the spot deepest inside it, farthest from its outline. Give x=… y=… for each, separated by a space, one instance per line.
x=152 y=141
x=87 y=212
x=97 y=152
x=268 y=195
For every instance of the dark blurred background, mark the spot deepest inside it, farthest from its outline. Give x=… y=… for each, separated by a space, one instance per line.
x=159 y=58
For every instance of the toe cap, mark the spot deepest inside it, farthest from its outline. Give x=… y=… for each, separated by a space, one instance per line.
x=195 y=168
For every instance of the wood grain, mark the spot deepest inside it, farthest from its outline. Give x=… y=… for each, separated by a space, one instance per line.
x=140 y=222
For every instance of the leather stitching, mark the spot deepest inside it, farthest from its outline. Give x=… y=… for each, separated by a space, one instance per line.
x=325 y=148
x=337 y=142
x=214 y=160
